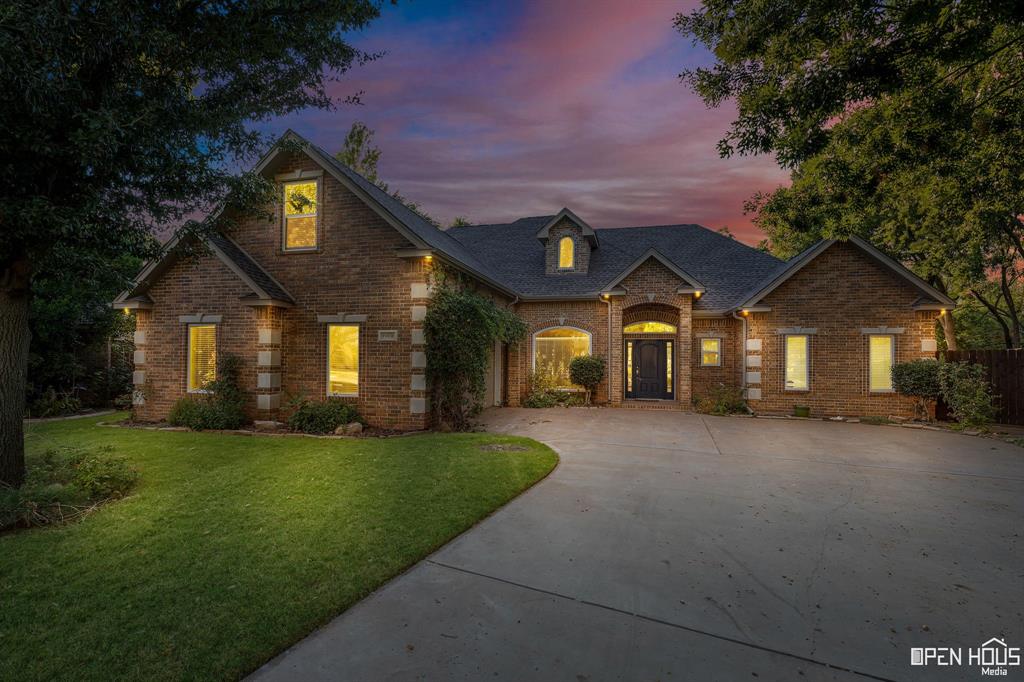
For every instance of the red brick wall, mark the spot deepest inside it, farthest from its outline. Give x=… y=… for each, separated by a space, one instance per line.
x=354 y=271
x=838 y=293
x=705 y=379
x=192 y=286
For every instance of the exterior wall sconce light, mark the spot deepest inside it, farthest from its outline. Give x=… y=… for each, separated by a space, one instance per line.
x=745 y=313
x=696 y=294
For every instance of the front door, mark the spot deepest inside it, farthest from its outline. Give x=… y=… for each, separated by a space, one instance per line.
x=652 y=369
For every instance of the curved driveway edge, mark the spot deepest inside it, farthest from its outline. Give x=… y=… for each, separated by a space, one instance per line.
x=667 y=545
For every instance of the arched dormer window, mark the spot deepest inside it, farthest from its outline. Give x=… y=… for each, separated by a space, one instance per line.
x=566 y=253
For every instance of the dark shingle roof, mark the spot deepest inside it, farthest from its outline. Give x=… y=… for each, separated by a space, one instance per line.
x=423 y=229
x=728 y=268
x=250 y=267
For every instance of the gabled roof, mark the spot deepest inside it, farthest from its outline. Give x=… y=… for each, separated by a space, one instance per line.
x=566 y=214
x=421 y=233
x=693 y=282
x=265 y=289
x=797 y=263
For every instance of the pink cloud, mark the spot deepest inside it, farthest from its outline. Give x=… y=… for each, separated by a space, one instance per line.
x=574 y=103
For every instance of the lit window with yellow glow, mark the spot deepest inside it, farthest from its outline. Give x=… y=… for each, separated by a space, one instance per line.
x=710 y=352
x=554 y=349
x=300 y=215
x=343 y=360
x=649 y=328
x=881 y=351
x=797 y=363
x=202 y=356
x=566 y=253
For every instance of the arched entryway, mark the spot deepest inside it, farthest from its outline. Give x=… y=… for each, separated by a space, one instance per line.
x=649 y=338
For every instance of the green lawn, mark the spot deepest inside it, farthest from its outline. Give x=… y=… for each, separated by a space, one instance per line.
x=232 y=548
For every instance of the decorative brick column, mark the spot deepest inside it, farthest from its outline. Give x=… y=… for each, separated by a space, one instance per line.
x=684 y=352
x=143 y=319
x=269 y=323
x=419 y=398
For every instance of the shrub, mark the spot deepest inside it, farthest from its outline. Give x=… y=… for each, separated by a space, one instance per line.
x=918 y=379
x=967 y=391
x=222 y=407
x=722 y=400
x=64 y=484
x=322 y=417
x=587 y=371
x=461 y=327
x=54 y=404
x=544 y=393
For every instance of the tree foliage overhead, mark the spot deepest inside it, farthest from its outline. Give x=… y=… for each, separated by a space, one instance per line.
x=120 y=117
x=901 y=122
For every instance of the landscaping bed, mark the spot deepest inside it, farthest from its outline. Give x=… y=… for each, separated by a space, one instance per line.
x=228 y=549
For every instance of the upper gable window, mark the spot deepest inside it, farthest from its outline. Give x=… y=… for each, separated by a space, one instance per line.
x=566 y=253
x=301 y=204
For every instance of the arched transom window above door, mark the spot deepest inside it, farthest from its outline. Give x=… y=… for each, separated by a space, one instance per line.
x=554 y=349
x=649 y=328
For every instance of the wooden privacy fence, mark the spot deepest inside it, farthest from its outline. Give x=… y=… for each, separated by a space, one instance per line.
x=1005 y=371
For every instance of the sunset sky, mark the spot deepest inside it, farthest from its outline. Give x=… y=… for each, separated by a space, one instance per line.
x=495 y=111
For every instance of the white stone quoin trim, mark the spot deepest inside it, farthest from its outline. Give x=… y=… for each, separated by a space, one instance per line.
x=268 y=401
x=268 y=358
x=268 y=380
x=138 y=377
x=269 y=337
x=928 y=345
x=139 y=338
x=419 y=313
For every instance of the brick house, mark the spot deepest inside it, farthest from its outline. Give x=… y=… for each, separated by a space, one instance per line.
x=328 y=299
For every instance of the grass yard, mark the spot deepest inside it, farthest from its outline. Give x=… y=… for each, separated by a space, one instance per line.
x=232 y=548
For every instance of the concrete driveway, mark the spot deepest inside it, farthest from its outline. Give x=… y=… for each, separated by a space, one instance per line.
x=670 y=546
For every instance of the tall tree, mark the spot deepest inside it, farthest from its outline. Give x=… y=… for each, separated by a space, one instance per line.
x=358 y=153
x=121 y=117
x=898 y=120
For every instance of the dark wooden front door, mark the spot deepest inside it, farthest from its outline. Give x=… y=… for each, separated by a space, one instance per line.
x=651 y=366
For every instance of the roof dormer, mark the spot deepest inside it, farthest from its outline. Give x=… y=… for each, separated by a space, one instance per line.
x=568 y=241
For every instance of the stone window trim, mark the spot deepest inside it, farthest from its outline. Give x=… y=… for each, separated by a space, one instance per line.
x=717 y=351
x=302 y=177
x=796 y=331
x=533 y=346
x=342 y=318
x=881 y=331
x=200 y=318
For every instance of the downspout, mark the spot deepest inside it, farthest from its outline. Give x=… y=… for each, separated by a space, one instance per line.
x=743 y=357
x=608 y=302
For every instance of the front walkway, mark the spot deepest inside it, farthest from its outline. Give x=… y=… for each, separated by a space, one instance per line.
x=667 y=545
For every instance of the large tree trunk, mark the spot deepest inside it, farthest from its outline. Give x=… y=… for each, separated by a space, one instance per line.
x=949 y=330
x=14 y=338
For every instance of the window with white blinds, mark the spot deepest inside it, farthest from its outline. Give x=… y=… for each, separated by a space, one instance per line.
x=881 y=353
x=202 y=356
x=797 y=362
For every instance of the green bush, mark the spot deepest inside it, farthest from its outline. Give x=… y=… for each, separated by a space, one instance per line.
x=587 y=371
x=64 y=484
x=967 y=391
x=918 y=379
x=54 y=404
x=461 y=327
x=221 y=407
x=543 y=393
x=322 y=417
x=722 y=400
